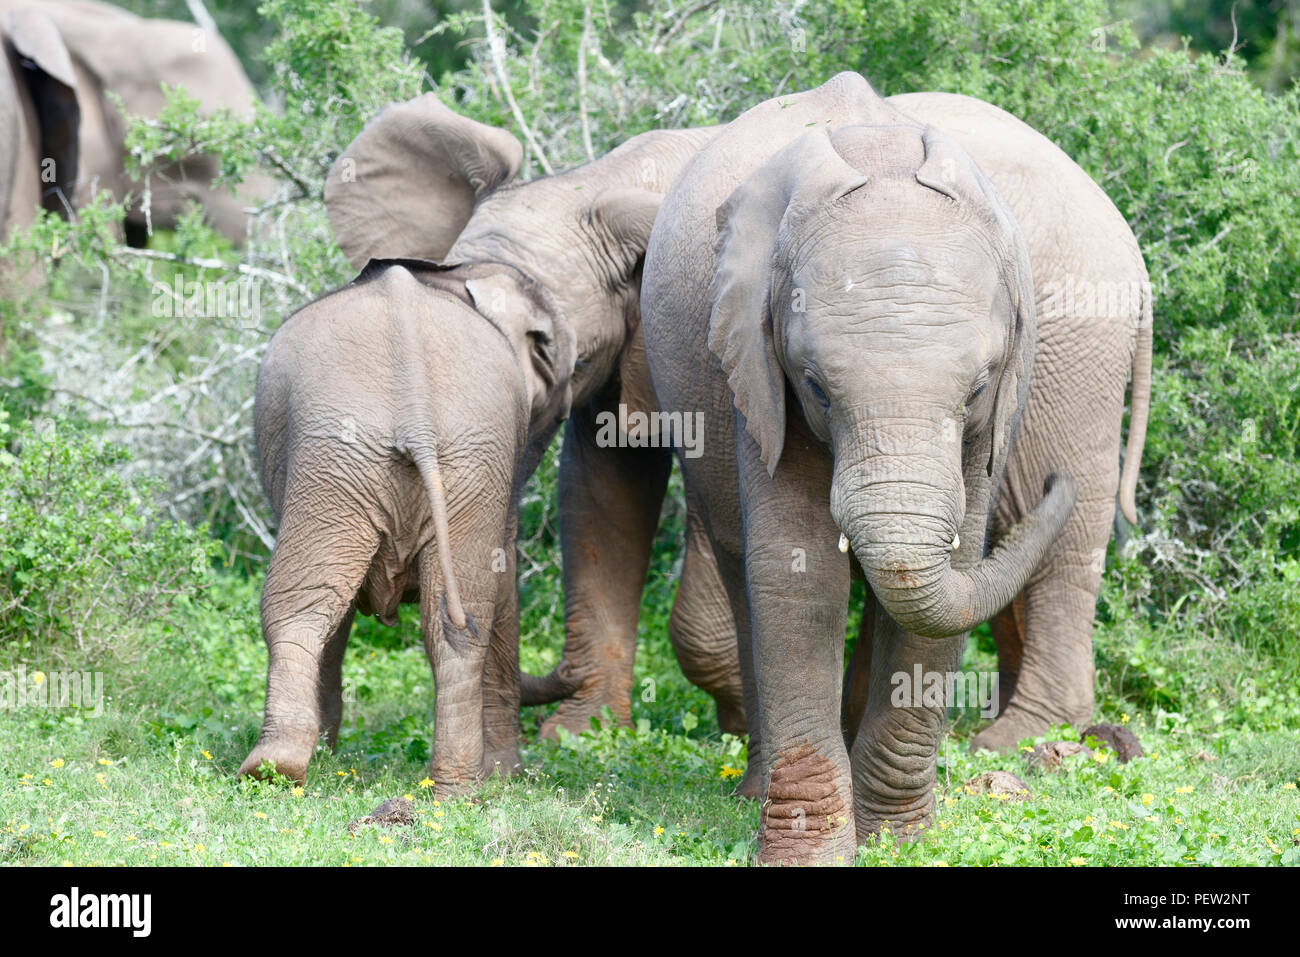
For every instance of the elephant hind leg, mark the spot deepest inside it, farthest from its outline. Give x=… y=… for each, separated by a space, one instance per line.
x=307 y=606
x=1008 y=627
x=702 y=629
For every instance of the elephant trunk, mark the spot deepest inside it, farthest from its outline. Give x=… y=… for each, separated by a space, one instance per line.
x=903 y=530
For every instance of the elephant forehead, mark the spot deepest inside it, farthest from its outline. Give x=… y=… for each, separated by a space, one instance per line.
x=877 y=277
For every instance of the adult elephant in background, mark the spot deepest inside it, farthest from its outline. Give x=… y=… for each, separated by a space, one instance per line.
x=423 y=181
x=114 y=53
x=861 y=341
x=39 y=120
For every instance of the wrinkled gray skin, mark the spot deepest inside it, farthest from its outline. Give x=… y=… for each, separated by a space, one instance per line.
x=103 y=50
x=392 y=417
x=861 y=340
x=422 y=181
x=1094 y=326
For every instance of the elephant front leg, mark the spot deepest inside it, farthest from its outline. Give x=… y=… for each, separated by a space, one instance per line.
x=895 y=750
x=797 y=585
x=609 y=511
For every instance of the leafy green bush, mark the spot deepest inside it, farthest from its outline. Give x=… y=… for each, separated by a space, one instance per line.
x=88 y=568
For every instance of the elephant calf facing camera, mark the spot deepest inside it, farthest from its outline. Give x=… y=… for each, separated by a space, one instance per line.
x=391 y=417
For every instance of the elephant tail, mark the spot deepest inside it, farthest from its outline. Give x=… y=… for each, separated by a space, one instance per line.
x=560 y=683
x=425 y=456
x=1139 y=406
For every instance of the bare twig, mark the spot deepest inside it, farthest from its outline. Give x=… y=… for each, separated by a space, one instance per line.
x=582 y=81
x=495 y=45
x=214 y=264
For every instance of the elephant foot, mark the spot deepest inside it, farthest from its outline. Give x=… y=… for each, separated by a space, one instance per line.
x=574 y=714
x=289 y=758
x=504 y=762
x=806 y=820
x=452 y=790
x=750 y=785
x=731 y=716
x=905 y=822
x=1016 y=723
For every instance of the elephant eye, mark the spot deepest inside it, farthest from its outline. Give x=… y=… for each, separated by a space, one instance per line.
x=818 y=393
x=979 y=391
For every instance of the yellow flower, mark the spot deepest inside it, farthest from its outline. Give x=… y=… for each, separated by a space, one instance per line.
x=261 y=814
x=1289 y=786
x=571 y=854
x=1077 y=862
x=1185 y=789
x=341 y=774
x=1100 y=756
x=298 y=792
x=408 y=797
x=595 y=819
x=433 y=824
x=100 y=778
x=439 y=813
x=47 y=781
x=99 y=834
x=1123 y=719
x=496 y=862
x=658 y=831
x=106 y=762
x=729 y=772
x=56 y=763
x=199 y=848
x=427 y=783
x=27 y=777
x=206 y=755
x=38 y=677
x=129 y=837
x=385 y=839
x=1147 y=799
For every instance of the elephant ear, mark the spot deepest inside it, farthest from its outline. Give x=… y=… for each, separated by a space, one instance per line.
x=949 y=169
x=542 y=338
x=805 y=175
x=34 y=44
x=409 y=182
x=623 y=216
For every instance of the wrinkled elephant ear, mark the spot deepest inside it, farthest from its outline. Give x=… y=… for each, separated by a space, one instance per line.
x=542 y=337
x=625 y=215
x=949 y=169
x=44 y=65
x=803 y=176
x=408 y=184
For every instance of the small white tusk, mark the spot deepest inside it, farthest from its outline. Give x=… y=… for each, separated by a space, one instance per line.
x=956 y=542
x=844 y=543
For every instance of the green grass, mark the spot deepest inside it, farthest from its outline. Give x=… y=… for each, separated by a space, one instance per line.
x=151 y=782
